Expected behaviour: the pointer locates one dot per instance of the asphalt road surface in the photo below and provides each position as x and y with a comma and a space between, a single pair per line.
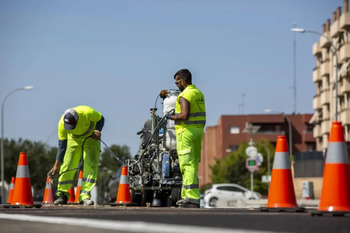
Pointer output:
81, 219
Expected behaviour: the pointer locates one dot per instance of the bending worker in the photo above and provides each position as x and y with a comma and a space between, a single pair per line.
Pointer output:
75, 126
189, 119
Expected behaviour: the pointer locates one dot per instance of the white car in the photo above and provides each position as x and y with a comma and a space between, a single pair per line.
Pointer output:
228, 195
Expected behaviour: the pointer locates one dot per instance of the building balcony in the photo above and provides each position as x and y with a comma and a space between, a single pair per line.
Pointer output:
317, 131
335, 30
316, 102
323, 41
344, 52
324, 68
344, 21
324, 97
344, 86
316, 49
325, 127
316, 76
345, 116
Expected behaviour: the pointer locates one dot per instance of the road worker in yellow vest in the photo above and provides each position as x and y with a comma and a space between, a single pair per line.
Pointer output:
77, 126
189, 119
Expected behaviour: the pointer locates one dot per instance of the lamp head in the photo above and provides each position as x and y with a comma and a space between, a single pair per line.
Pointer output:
28, 87
301, 30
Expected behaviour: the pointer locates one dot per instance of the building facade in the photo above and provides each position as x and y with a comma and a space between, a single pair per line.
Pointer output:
332, 56
230, 132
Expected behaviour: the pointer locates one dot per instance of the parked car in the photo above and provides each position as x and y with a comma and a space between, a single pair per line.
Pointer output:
225, 195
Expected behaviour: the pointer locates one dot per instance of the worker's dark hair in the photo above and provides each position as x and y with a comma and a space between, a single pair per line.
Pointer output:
184, 74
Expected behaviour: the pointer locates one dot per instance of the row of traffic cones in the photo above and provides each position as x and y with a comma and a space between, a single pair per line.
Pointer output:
335, 194
74, 198
21, 194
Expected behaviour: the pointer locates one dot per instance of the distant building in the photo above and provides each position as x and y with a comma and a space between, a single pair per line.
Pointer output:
225, 137
324, 76
229, 133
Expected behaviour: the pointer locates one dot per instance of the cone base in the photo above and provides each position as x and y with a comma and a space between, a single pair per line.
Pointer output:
35, 205
124, 204
332, 213
277, 209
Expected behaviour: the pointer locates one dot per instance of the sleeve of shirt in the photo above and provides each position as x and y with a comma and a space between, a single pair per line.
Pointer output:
100, 124
61, 151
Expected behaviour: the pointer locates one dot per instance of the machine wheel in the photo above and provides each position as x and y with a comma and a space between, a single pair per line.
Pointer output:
212, 202
175, 195
146, 197
135, 198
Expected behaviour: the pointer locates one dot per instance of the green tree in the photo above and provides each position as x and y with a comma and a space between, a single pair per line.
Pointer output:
232, 168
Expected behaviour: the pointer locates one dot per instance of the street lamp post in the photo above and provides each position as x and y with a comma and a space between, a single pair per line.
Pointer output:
2, 138
301, 30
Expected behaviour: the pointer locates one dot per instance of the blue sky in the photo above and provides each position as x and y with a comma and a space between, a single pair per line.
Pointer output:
116, 56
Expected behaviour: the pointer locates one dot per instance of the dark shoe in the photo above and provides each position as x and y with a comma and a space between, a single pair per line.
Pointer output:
189, 205
86, 202
186, 204
61, 200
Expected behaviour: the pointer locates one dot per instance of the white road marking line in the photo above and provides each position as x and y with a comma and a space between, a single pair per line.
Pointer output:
126, 226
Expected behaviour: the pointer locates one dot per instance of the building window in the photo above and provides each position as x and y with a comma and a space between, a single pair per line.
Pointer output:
234, 130
232, 148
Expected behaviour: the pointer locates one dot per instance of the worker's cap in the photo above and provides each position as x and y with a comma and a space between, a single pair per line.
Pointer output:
70, 119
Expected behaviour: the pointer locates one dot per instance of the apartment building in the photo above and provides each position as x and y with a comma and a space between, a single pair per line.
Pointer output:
230, 132
332, 56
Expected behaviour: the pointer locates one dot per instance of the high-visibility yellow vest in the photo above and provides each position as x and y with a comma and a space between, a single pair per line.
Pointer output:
197, 108
85, 126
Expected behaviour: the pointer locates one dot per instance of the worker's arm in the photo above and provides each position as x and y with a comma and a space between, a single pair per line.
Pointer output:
62, 146
185, 111
97, 132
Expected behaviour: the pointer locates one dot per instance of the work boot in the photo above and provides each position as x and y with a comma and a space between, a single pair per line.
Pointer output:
61, 200
186, 204
86, 202
189, 205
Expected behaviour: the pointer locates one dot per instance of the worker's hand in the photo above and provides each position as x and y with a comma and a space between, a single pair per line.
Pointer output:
168, 116
96, 135
54, 169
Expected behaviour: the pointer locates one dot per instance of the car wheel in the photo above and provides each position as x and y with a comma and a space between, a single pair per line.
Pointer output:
213, 201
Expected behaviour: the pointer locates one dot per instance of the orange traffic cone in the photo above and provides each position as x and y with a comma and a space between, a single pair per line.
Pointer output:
335, 194
123, 197
22, 193
72, 196
281, 194
12, 186
80, 183
48, 194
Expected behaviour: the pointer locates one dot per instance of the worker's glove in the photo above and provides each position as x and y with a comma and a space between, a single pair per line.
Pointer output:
168, 116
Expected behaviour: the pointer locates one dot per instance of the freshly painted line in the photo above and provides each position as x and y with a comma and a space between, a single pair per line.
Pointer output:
125, 226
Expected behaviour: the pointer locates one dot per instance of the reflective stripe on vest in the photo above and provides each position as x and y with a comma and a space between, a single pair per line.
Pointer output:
89, 180
191, 186
194, 201
66, 182
282, 160
337, 153
22, 171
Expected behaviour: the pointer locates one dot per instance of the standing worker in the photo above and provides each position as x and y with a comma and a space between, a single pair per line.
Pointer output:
189, 119
75, 128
